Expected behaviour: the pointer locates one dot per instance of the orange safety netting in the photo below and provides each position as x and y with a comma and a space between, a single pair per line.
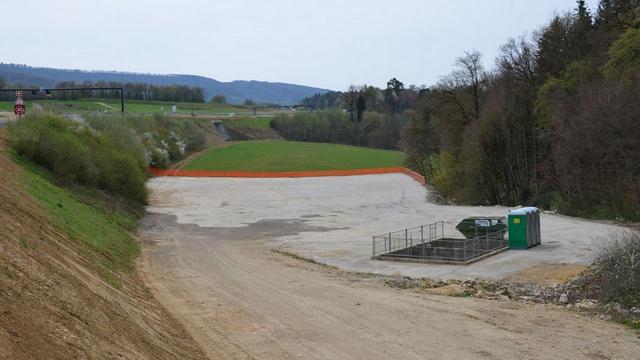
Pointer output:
287, 174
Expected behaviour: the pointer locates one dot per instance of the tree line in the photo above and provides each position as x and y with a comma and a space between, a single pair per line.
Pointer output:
554, 123
363, 116
335, 126
132, 91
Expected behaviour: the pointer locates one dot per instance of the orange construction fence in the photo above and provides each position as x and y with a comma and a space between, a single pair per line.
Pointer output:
292, 174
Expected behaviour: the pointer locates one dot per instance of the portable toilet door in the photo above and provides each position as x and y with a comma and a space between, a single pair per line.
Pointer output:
537, 237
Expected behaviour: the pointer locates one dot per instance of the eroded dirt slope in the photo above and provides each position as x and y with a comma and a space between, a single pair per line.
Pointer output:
54, 306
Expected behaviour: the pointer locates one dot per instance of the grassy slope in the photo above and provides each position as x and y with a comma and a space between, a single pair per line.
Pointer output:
293, 156
133, 106
110, 246
262, 122
55, 301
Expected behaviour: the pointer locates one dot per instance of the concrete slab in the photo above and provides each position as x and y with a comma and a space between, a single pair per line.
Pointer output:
358, 207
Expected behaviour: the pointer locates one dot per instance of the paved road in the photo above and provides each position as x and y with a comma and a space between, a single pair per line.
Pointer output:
240, 300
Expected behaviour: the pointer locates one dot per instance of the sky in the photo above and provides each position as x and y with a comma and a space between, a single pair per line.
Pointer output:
325, 43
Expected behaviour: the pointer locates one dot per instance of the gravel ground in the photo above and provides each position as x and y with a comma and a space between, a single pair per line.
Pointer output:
354, 209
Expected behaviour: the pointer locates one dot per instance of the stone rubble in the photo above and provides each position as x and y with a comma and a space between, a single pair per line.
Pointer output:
573, 294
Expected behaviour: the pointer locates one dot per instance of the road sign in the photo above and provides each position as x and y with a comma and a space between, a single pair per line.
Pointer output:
19, 108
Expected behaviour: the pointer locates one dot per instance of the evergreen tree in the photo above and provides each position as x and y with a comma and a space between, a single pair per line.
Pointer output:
581, 31
361, 106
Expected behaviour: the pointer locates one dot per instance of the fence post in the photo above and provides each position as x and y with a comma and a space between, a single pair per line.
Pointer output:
389, 242
406, 238
422, 238
373, 246
486, 242
464, 250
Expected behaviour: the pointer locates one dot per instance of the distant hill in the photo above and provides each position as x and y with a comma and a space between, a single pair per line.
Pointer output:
236, 92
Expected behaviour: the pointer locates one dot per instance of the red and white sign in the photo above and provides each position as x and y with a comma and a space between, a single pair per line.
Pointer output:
19, 108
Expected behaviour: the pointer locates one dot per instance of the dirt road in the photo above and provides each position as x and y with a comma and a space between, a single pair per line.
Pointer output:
240, 300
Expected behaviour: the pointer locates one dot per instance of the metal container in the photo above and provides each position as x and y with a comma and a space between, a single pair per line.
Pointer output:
472, 227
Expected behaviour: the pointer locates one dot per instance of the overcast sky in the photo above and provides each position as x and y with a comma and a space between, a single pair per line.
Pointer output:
324, 43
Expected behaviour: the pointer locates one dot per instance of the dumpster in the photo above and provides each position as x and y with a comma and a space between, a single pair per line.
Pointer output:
524, 228
475, 226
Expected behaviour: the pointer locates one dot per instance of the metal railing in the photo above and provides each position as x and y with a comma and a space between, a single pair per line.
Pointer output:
407, 238
429, 243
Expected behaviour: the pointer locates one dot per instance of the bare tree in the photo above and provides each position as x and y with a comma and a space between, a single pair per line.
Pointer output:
470, 73
519, 58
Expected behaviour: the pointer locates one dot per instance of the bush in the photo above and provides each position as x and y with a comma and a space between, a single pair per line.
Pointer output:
78, 154
618, 269
106, 152
161, 139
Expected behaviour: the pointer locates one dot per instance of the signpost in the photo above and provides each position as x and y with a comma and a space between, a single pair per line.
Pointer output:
19, 108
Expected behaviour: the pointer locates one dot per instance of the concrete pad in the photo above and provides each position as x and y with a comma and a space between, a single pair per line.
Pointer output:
356, 208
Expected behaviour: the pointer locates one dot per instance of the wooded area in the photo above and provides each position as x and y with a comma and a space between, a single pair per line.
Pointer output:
555, 124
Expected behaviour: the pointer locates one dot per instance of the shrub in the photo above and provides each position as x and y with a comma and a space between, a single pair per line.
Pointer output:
106, 152
122, 133
618, 269
75, 153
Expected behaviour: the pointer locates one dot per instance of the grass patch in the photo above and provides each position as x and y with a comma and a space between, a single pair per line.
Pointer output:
250, 122
107, 243
274, 155
633, 324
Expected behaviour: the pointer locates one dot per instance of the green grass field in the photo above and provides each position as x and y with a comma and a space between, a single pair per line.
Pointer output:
275, 155
262, 122
133, 106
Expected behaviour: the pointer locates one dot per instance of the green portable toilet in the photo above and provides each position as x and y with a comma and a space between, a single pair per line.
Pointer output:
524, 228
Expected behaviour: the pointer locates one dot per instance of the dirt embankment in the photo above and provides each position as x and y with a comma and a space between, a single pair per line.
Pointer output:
54, 306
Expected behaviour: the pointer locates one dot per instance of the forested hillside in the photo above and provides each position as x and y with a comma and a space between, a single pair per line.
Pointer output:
555, 123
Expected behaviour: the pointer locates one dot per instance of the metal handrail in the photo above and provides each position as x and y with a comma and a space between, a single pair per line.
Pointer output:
429, 242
